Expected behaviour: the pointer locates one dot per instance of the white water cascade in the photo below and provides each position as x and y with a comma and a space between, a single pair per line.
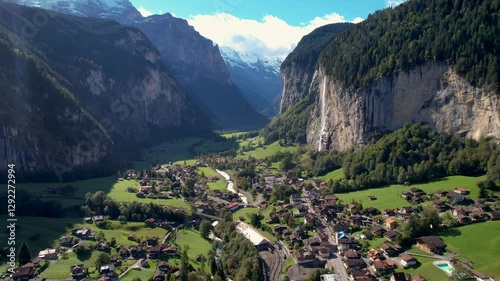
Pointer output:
323, 112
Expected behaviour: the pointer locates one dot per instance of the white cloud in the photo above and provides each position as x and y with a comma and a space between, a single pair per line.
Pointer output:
268, 37
144, 12
394, 3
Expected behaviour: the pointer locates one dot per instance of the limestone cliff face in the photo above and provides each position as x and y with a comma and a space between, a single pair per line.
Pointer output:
296, 84
431, 94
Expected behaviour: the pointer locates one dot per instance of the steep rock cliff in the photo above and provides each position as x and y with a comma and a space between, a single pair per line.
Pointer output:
111, 72
298, 69
198, 66
433, 94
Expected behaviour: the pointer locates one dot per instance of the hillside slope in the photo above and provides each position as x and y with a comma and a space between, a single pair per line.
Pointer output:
109, 71
431, 62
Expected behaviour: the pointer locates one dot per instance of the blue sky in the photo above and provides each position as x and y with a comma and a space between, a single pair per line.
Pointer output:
269, 28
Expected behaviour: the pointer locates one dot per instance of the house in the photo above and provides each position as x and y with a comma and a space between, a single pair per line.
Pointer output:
135, 250
431, 244
391, 223
460, 210
378, 230
379, 266
150, 222
301, 258
48, 254
372, 211
302, 210
233, 206
455, 198
25, 272
388, 250
461, 190
152, 241
163, 266
372, 198
367, 234
373, 254
311, 218
407, 260
391, 235
398, 276
440, 205
417, 191
406, 195
354, 264
107, 270
463, 219
98, 218
78, 271
131, 237
88, 220
155, 252
416, 277
341, 227
159, 275
66, 241
352, 254
295, 199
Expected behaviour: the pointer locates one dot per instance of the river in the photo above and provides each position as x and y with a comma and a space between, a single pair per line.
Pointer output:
230, 186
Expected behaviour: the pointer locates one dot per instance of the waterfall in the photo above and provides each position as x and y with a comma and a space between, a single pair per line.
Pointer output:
323, 112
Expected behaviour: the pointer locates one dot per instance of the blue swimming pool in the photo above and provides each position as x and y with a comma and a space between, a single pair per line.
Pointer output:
445, 266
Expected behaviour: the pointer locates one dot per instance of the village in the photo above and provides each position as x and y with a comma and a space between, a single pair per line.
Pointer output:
311, 228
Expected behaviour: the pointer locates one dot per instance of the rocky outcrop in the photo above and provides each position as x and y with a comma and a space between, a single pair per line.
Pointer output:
296, 85
431, 94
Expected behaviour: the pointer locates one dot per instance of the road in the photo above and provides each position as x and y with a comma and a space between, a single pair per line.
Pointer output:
137, 264
336, 261
230, 186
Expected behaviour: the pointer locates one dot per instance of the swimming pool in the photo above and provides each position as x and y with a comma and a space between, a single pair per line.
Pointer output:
444, 266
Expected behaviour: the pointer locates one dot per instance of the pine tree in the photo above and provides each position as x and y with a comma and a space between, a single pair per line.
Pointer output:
24, 255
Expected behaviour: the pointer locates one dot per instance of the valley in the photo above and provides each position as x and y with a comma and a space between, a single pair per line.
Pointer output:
230, 142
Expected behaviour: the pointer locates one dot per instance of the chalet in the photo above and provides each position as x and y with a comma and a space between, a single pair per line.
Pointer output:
159, 275
341, 227
460, 210
345, 243
351, 254
391, 223
379, 266
455, 198
417, 191
378, 230
372, 198
406, 195
131, 237
398, 276
440, 205
25, 272
107, 270
98, 218
233, 206
150, 222
306, 257
372, 211
302, 210
373, 254
155, 252
295, 199
367, 234
354, 264
325, 250
431, 244
388, 250
311, 218
170, 251
135, 250
102, 245
478, 216
66, 241
361, 275
48, 254
391, 235
88, 220
389, 212
331, 198
152, 241
353, 209
461, 190
84, 233
463, 219
407, 210
279, 228
77, 271
407, 260
495, 215
163, 266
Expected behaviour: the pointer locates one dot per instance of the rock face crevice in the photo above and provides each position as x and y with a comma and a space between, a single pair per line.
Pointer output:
429, 94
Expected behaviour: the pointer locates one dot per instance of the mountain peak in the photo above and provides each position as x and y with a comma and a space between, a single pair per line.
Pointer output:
120, 10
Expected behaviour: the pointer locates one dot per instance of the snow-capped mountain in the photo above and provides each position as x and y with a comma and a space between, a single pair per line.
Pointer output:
120, 10
258, 78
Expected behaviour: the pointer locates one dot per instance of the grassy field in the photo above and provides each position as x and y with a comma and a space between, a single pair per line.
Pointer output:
479, 244
209, 172
119, 193
141, 273
60, 269
197, 245
245, 213
389, 197
334, 175
426, 269
266, 150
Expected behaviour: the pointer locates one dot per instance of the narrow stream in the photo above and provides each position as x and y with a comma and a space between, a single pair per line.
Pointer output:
230, 186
